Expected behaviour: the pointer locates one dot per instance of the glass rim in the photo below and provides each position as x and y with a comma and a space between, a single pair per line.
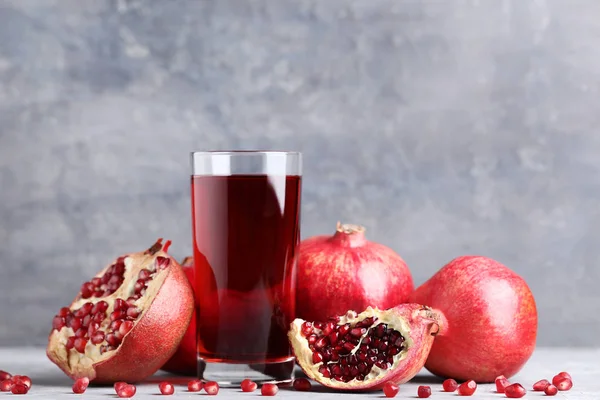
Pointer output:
244, 152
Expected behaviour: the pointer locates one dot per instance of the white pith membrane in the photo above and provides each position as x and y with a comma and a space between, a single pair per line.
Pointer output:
82, 363
394, 322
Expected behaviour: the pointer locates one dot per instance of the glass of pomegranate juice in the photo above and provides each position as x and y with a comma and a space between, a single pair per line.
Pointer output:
246, 230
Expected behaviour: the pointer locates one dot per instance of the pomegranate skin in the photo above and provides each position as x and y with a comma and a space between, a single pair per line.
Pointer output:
184, 361
418, 324
489, 304
347, 272
153, 339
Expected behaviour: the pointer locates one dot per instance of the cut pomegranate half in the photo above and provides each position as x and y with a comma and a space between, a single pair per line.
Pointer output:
125, 322
365, 351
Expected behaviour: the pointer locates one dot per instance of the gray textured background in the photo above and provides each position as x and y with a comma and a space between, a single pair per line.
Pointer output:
446, 127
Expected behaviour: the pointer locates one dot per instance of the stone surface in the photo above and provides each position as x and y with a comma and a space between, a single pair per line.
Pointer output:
50, 383
444, 127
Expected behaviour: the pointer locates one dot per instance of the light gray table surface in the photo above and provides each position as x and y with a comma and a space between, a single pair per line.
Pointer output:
50, 383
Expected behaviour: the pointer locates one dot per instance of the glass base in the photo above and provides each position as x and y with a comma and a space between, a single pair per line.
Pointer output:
232, 374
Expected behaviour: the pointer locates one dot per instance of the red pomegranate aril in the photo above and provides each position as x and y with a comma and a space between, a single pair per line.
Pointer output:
551, 390
195, 385
211, 388
322, 342
120, 304
81, 333
126, 391
24, 379
302, 385
125, 327
560, 376
133, 312
269, 389
86, 321
501, 384
162, 262
100, 307
515, 391
98, 337
6, 385
423, 392
317, 357
99, 317
87, 289
119, 385
19, 388
117, 315
467, 388
144, 274
83, 310
70, 343
139, 285
449, 385
358, 332
112, 339
307, 328
564, 384
58, 323
96, 281
4, 375
80, 344
323, 370
94, 326
63, 312
75, 323
166, 388
248, 386
115, 325
80, 385
540, 386
390, 390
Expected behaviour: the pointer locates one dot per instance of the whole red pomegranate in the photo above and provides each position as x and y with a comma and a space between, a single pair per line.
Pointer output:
184, 361
367, 350
126, 321
490, 320
347, 272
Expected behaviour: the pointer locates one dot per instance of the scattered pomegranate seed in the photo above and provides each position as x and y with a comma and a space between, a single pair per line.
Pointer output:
559, 376
467, 388
423, 392
501, 384
248, 385
166, 388
302, 385
551, 390
80, 385
6, 385
564, 384
126, 391
195, 385
4, 375
211, 388
119, 385
449, 385
19, 388
390, 390
540, 386
515, 391
24, 379
269, 389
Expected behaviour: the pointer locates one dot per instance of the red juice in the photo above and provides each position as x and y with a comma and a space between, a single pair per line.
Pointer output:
245, 233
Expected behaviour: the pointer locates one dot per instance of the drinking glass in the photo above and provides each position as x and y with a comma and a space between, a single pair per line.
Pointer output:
246, 230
